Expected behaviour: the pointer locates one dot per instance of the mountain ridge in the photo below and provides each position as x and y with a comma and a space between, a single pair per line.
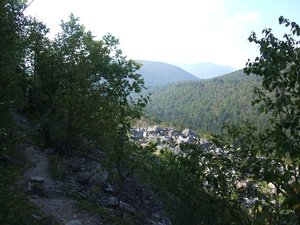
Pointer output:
205, 70
157, 73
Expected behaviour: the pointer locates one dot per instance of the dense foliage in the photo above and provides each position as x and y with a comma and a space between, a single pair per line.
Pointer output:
253, 177
205, 105
83, 85
15, 30
76, 87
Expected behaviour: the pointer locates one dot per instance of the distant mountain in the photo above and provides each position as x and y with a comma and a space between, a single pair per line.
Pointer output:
205, 105
158, 73
205, 70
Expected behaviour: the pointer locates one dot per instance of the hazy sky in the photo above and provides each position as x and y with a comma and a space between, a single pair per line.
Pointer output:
178, 31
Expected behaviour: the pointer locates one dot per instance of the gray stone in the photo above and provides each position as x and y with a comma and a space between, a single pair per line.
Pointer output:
87, 171
190, 139
74, 222
166, 221
99, 177
189, 132
127, 207
78, 164
109, 202
155, 129
49, 151
173, 132
34, 182
43, 192
107, 188
52, 220
37, 179
204, 141
82, 177
91, 177
180, 140
94, 220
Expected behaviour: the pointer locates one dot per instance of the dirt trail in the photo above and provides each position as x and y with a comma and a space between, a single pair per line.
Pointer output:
45, 192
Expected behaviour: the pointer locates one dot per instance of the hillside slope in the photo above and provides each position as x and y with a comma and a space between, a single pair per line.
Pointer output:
205, 105
158, 73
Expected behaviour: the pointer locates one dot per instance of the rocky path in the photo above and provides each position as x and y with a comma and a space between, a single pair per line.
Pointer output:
86, 178
44, 191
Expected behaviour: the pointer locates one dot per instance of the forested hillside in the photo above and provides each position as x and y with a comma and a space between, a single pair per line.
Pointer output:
205, 105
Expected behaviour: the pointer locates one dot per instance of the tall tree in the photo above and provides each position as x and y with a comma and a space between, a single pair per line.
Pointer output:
12, 28
15, 30
89, 82
270, 159
279, 67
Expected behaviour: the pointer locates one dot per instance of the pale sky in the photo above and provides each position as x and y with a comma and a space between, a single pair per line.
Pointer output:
175, 31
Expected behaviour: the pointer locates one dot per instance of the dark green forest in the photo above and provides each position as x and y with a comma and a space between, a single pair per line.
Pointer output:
75, 87
207, 104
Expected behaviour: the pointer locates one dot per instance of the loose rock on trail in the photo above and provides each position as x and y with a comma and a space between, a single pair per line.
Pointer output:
44, 191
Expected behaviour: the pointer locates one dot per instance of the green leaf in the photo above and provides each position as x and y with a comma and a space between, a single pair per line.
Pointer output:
281, 19
289, 203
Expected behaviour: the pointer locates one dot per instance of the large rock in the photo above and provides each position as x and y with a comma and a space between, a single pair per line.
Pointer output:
74, 222
155, 129
174, 132
127, 207
136, 134
46, 193
87, 171
52, 220
183, 140
94, 220
189, 132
